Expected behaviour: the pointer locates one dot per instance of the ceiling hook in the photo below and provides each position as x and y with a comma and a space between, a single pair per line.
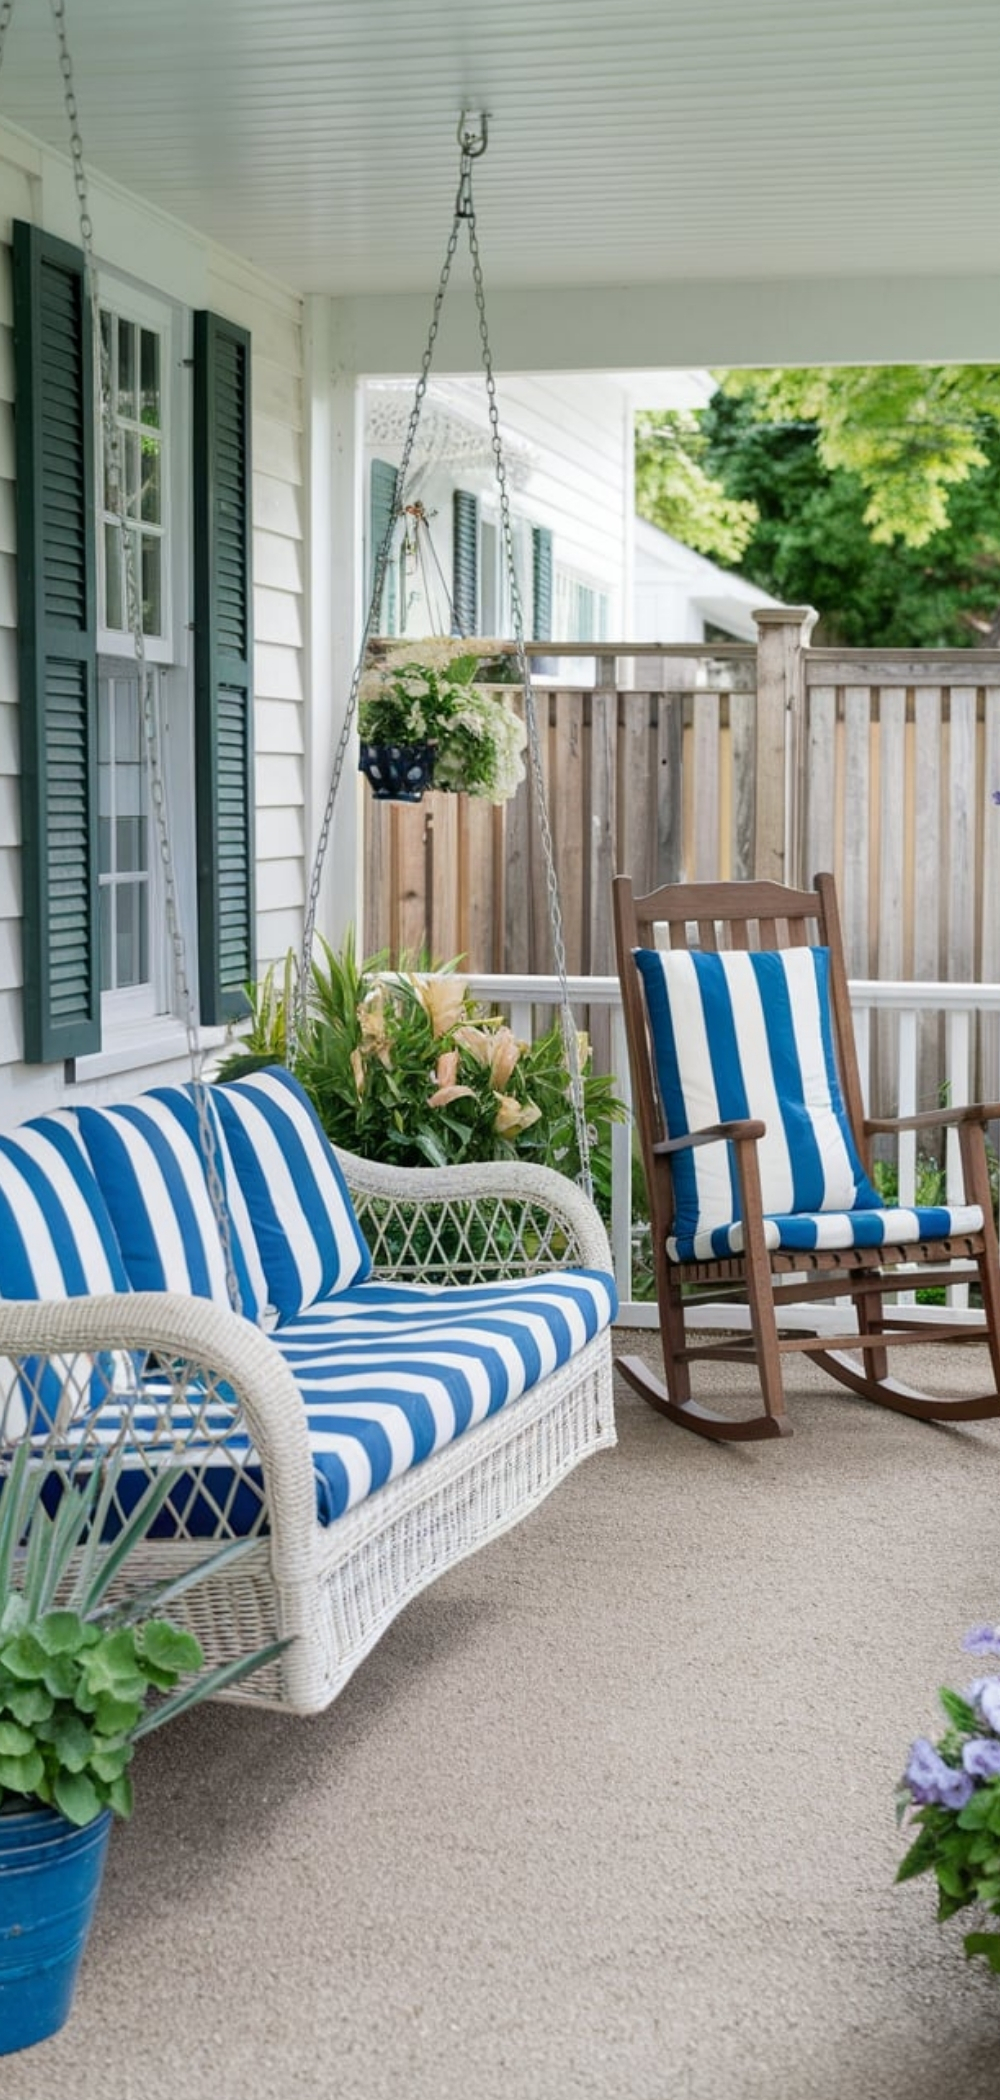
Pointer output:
473, 132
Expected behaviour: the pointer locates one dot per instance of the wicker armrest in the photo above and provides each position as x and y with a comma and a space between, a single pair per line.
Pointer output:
240, 1372
470, 1222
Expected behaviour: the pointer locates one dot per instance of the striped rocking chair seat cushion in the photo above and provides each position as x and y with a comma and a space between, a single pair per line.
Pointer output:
748, 1035
390, 1373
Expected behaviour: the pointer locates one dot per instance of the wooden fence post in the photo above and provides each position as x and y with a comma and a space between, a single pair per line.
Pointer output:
783, 633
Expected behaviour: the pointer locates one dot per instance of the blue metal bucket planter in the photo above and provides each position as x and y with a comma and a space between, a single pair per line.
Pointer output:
50, 1875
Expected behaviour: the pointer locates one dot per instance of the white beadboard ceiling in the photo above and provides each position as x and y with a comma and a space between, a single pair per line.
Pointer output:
631, 141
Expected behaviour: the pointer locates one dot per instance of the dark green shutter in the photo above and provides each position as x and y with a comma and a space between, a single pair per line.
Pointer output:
382, 510
465, 560
56, 646
541, 582
223, 600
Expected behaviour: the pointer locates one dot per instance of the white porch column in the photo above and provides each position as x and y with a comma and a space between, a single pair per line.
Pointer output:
336, 584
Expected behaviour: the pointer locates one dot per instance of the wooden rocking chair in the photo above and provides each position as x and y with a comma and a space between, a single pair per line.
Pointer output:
757, 1155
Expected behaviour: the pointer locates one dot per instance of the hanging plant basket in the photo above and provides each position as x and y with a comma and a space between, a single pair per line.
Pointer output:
398, 772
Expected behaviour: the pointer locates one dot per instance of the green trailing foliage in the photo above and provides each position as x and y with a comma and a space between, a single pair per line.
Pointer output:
82, 1678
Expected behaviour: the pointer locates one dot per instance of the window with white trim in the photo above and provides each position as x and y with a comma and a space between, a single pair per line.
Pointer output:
146, 399
581, 609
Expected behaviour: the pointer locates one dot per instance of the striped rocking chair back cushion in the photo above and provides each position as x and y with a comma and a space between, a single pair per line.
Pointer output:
748, 1034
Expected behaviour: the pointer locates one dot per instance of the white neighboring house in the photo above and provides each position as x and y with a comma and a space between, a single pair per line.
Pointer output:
681, 596
587, 568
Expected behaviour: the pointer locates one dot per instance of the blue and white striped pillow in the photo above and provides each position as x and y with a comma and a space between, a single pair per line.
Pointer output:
310, 1241
748, 1035
149, 1160
56, 1241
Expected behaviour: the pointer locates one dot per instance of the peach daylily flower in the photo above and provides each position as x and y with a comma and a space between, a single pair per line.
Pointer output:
371, 1020
358, 1069
478, 1042
443, 1000
506, 1051
446, 1074
512, 1115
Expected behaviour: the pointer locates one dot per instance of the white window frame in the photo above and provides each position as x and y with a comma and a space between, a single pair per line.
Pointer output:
126, 302
490, 521
128, 1015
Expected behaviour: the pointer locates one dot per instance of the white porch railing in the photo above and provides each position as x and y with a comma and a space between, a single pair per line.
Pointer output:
958, 1003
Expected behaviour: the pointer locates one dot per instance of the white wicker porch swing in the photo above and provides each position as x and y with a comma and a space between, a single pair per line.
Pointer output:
168, 1374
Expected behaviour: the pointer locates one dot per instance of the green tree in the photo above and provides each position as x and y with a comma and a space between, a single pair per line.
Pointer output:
674, 491
874, 495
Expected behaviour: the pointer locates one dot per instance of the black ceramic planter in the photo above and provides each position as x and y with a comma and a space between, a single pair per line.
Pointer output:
398, 772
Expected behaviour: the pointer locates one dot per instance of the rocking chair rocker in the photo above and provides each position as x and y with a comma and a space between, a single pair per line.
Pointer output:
756, 1152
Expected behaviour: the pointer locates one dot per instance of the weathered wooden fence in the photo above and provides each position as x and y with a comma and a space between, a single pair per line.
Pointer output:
729, 760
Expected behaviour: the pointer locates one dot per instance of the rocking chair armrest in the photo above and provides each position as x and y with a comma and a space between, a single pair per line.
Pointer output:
713, 1134
934, 1118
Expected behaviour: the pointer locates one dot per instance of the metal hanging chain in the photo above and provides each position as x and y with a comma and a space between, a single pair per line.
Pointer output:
117, 502
473, 145
571, 1045
297, 1016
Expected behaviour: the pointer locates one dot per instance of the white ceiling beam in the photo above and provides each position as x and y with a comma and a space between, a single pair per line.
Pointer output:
698, 322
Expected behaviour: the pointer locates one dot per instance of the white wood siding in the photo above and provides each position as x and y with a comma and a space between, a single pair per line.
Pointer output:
34, 186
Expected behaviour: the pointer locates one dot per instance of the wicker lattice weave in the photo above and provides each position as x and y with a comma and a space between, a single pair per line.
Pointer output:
184, 1376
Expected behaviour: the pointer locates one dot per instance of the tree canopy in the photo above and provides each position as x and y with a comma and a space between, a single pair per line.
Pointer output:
870, 493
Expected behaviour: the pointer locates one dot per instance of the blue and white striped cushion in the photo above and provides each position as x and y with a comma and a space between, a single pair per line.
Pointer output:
310, 1241
56, 1241
391, 1372
148, 1158
748, 1035
839, 1228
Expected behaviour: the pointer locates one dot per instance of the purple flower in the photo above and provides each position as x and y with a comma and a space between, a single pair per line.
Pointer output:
984, 1694
981, 1757
982, 1640
931, 1781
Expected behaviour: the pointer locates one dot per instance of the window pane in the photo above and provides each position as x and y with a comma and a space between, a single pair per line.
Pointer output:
130, 836
152, 601
149, 378
126, 369
107, 940
130, 447
150, 492
114, 603
131, 934
127, 736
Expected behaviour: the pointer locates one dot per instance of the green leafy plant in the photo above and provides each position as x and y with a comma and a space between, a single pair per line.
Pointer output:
425, 693
408, 1066
951, 1790
83, 1678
